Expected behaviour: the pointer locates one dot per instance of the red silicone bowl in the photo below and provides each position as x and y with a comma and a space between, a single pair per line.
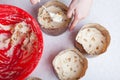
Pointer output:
20, 65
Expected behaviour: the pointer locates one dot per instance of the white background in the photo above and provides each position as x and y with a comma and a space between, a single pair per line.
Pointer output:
103, 67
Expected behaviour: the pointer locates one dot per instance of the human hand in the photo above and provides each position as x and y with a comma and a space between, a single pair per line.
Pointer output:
79, 9
34, 1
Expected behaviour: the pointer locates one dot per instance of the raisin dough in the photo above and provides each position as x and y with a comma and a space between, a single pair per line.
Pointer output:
70, 64
57, 25
92, 39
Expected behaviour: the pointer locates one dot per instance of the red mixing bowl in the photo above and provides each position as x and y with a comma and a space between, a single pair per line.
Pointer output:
20, 65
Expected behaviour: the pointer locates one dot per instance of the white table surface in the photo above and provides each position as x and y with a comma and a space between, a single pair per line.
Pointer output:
103, 67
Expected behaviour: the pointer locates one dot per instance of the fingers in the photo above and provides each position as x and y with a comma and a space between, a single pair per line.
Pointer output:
34, 1
71, 9
70, 12
76, 19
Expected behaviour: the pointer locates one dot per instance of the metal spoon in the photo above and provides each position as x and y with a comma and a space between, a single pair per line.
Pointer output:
55, 17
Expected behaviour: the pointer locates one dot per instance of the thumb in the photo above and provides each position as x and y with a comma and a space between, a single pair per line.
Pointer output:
71, 9
70, 13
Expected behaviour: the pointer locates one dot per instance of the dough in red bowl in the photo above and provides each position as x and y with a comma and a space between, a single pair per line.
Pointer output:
21, 43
